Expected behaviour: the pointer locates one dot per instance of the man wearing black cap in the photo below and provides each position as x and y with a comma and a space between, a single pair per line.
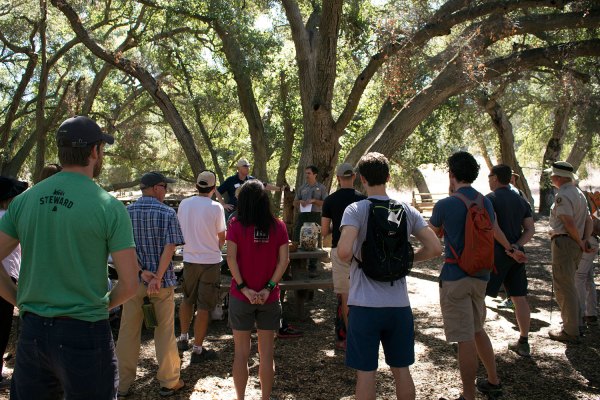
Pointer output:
67, 226
157, 234
570, 229
333, 210
203, 223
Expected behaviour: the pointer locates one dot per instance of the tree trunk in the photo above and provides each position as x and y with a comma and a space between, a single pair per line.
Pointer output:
288, 135
504, 128
552, 154
40, 116
588, 128
160, 97
421, 184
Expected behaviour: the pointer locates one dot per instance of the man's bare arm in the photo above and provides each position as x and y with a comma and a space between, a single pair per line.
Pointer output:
346, 242
431, 245
127, 267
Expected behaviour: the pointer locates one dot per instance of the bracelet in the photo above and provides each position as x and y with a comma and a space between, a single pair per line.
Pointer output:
270, 286
240, 286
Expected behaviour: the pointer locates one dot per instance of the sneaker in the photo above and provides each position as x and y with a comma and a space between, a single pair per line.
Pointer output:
182, 344
520, 348
562, 336
166, 392
591, 320
487, 388
288, 332
206, 355
507, 303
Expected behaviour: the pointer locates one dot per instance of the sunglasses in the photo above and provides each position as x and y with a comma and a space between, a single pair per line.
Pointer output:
163, 185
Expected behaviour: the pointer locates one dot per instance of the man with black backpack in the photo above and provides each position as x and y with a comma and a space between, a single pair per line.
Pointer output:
374, 236
466, 220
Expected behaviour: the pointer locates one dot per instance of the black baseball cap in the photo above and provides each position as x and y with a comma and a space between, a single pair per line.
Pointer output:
152, 178
10, 187
80, 131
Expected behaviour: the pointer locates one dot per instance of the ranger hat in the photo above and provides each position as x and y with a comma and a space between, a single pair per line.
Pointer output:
152, 178
206, 179
10, 188
81, 131
344, 169
562, 168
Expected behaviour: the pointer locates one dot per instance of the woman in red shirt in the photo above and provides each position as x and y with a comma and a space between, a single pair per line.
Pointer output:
257, 255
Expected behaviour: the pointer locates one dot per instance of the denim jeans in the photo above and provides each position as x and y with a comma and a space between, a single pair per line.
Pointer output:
64, 358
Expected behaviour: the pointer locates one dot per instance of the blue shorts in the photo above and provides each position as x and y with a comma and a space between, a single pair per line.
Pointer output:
392, 326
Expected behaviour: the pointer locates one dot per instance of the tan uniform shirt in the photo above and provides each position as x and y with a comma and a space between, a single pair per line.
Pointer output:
568, 201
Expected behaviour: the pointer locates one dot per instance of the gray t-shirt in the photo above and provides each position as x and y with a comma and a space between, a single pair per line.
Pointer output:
364, 291
318, 191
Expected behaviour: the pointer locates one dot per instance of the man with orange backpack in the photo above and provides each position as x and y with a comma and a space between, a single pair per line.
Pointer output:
466, 220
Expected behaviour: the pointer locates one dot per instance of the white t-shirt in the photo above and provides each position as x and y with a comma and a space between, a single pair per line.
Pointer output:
201, 220
12, 262
366, 292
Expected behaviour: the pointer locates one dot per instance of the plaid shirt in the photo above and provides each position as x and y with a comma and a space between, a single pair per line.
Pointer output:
154, 226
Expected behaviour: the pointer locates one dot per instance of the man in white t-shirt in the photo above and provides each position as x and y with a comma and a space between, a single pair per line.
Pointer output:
379, 311
202, 221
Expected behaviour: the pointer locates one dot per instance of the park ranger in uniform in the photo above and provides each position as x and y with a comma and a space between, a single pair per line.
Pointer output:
570, 229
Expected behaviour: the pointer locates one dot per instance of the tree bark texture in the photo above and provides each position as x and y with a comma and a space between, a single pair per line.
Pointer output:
552, 154
288, 135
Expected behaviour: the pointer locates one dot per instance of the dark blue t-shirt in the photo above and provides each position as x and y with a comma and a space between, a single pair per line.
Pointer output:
511, 209
334, 206
230, 185
451, 213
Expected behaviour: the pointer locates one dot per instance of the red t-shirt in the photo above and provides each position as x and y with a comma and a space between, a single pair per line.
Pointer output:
257, 254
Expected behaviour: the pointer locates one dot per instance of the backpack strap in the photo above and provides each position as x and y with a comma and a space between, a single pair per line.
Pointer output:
468, 203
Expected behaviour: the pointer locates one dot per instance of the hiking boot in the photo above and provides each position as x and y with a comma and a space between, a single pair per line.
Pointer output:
206, 355
507, 304
166, 392
562, 336
487, 388
289, 332
591, 320
520, 348
182, 344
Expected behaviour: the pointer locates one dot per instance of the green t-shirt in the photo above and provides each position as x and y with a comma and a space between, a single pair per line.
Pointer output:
67, 226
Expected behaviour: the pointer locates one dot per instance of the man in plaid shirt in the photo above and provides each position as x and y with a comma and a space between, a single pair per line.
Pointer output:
157, 233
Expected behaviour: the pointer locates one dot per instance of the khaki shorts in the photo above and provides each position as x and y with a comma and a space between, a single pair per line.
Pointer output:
340, 272
201, 284
463, 308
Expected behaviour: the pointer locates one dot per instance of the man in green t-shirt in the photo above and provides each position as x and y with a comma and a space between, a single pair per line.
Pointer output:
67, 226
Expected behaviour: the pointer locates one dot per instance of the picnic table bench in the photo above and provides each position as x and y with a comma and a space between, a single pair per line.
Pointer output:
424, 202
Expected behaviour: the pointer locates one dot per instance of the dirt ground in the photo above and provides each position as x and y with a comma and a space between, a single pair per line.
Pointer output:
308, 368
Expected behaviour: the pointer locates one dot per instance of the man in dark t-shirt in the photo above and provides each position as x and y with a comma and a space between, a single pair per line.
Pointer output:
231, 184
331, 217
514, 217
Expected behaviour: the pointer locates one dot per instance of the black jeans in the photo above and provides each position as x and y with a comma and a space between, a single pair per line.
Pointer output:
64, 357
6, 319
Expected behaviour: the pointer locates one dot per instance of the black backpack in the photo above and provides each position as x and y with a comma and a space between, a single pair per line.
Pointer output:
386, 253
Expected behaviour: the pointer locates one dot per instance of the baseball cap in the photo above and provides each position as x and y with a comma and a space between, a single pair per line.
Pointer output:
206, 179
80, 131
242, 162
344, 169
10, 188
562, 168
152, 178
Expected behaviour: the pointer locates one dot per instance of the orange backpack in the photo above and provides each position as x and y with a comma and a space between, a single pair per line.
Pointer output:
478, 253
